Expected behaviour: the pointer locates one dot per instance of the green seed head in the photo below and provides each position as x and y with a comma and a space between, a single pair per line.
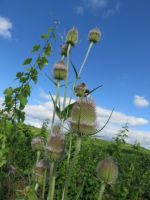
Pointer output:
107, 171
81, 90
56, 146
40, 167
72, 36
83, 117
94, 35
60, 70
37, 143
64, 50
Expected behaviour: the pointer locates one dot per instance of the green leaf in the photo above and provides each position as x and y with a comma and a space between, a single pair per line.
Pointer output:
66, 112
75, 70
41, 61
27, 61
23, 100
35, 48
47, 50
45, 36
94, 89
19, 74
8, 91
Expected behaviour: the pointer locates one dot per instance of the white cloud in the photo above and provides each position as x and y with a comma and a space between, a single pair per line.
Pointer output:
5, 26
111, 11
140, 101
37, 113
97, 3
79, 10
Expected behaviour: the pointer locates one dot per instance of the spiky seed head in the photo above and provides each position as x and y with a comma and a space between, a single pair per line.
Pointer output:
72, 36
83, 117
40, 167
60, 70
95, 35
107, 171
37, 143
56, 146
64, 50
81, 90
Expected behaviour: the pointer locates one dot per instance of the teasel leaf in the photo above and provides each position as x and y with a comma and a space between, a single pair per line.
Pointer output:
75, 70
49, 78
91, 91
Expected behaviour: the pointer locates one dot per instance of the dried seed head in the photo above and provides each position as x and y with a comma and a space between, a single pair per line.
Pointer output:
60, 70
40, 167
56, 146
107, 171
81, 90
94, 35
64, 50
83, 117
72, 36
37, 143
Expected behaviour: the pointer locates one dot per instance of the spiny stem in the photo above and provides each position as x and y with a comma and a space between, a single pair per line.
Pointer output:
101, 191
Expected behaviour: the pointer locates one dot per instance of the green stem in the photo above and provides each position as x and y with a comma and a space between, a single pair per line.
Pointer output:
44, 184
56, 100
101, 191
66, 81
81, 68
50, 180
38, 157
69, 170
86, 56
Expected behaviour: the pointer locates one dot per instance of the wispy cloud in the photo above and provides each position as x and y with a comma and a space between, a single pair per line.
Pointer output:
79, 10
5, 27
140, 101
112, 10
97, 3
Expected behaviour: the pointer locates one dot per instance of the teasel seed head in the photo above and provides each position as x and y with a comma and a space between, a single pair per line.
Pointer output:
94, 35
72, 36
83, 117
107, 171
37, 143
60, 70
56, 146
40, 167
64, 50
81, 90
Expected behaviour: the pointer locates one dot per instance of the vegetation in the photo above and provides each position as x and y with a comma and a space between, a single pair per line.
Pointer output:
50, 163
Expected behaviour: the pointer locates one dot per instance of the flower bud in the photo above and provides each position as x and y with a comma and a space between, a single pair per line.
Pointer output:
37, 143
72, 36
94, 35
56, 146
81, 90
107, 171
83, 117
64, 50
40, 167
60, 71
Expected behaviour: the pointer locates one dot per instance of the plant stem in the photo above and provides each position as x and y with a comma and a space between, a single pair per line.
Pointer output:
50, 180
69, 170
81, 68
44, 184
38, 157
101, 191
86, 56
56, 100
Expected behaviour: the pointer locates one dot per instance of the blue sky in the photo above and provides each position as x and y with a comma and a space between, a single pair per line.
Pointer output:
120, 61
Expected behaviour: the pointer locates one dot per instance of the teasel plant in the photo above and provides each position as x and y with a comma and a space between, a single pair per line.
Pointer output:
107, 173
80, 117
